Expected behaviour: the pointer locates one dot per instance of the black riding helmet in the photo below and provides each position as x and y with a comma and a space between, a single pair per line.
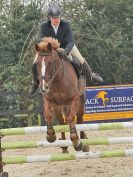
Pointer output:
53, 11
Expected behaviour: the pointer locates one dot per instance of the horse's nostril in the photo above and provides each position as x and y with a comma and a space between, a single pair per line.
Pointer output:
42, 90
45, 90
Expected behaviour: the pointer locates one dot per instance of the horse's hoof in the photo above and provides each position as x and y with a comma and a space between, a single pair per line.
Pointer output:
65, 151
3, 174
51, 139
86, 148
79, 147
73, 137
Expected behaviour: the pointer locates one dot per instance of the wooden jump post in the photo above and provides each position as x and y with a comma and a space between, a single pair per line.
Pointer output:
2, 173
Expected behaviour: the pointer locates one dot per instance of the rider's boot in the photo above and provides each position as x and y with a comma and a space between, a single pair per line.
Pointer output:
35, 83
89, 74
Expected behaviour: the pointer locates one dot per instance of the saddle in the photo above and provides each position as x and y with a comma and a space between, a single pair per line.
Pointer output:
77, 66
75, 62
79, 71
80, 74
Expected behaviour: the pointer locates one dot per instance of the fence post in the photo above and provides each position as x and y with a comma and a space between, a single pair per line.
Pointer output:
2, 174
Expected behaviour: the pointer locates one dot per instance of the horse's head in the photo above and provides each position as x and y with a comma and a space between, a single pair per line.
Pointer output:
47, 56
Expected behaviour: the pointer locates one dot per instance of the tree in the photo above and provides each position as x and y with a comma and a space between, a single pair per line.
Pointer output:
103, 33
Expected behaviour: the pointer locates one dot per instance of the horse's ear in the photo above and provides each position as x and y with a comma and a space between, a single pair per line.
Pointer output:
37, 48
49, 47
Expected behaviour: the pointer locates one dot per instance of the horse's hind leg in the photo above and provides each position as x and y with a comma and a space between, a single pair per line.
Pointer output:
80, 121
64, 149
59, 116
51, 137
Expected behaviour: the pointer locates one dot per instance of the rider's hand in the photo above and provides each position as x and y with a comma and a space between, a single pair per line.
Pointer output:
62, 52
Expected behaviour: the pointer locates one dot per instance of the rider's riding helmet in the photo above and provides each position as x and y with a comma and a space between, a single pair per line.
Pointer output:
54, 11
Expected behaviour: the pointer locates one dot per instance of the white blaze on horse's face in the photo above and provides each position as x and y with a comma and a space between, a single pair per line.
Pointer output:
43, 73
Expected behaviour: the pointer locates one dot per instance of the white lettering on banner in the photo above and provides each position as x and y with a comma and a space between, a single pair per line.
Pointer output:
92, 101
121, 99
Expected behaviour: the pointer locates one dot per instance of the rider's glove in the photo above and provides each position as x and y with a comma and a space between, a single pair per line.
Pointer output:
62, 52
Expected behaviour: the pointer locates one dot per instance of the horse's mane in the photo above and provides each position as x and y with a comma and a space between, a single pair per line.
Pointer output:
44, 43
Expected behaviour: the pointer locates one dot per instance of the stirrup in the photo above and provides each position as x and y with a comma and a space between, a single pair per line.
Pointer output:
96, 77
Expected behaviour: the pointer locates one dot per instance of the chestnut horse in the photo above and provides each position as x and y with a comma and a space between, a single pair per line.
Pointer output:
62, 91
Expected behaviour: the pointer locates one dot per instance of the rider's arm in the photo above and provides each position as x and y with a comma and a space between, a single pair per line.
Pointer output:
68, 38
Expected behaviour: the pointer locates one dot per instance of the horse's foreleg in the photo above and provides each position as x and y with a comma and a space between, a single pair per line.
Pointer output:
51, 137
71, 121
82, 133
80, 121
80, 115
60, 115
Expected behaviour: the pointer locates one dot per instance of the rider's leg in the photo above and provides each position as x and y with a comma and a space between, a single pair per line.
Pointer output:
35, 82
88, 72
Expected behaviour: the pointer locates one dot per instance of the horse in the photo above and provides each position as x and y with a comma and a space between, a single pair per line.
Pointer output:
62, 91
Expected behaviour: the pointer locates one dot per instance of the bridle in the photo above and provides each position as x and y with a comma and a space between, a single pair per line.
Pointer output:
54, 71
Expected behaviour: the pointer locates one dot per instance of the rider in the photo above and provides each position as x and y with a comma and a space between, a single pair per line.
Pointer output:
60, 29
